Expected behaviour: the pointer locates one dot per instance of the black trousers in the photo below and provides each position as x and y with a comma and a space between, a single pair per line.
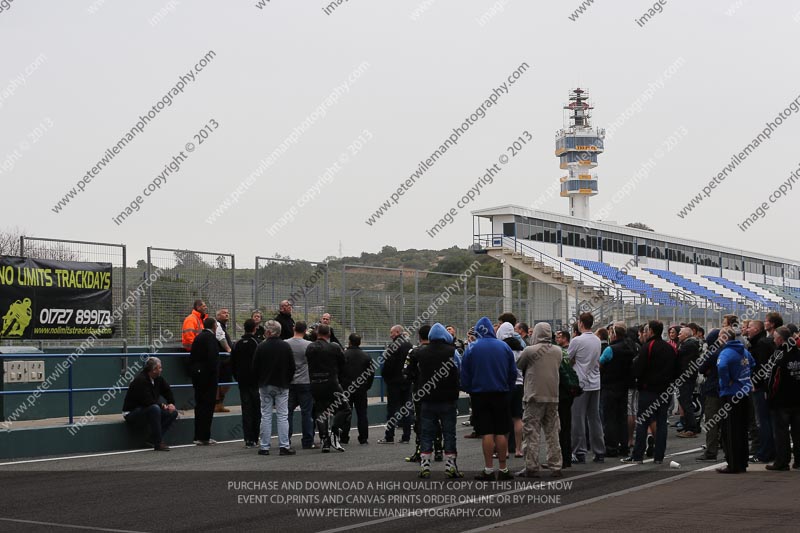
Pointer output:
685, 396
565, 434
251, 412
358, 403
781, 420
615, 419
734, 431
205, 397
398, 396
330, 410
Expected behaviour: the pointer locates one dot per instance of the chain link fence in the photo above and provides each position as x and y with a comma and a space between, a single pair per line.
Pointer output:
364, 299
183, 276
67, 250
304, 283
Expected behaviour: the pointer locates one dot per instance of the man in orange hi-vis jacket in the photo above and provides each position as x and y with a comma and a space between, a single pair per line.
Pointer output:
193, 324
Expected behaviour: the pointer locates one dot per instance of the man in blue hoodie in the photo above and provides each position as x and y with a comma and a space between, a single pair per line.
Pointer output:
488, 373
734, 366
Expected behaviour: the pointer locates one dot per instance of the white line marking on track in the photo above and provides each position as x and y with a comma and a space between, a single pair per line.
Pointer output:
593, 500
71, 526
140, 450
567, 478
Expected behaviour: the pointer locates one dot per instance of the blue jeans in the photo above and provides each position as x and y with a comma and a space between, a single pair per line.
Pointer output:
766, 450
277, 397
433, 414
300, 394
651, 407
157, 418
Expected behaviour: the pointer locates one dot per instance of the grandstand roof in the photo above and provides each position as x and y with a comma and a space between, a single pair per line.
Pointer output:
511, 209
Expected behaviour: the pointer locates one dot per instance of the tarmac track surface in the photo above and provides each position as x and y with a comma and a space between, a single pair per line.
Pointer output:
229, 488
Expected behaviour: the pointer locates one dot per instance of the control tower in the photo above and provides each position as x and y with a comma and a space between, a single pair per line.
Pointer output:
577, 147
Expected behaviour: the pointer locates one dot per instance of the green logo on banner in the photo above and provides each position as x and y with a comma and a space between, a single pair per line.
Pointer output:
17, 318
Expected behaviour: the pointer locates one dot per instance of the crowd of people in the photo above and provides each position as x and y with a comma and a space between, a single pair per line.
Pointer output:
608, 390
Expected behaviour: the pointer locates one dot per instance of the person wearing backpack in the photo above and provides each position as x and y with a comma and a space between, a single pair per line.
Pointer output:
568, 389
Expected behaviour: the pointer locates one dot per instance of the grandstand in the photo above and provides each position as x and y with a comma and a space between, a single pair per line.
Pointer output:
633, 274
623, 272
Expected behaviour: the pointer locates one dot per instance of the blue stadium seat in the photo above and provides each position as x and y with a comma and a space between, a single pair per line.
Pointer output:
746, 293
692, 287
627, 281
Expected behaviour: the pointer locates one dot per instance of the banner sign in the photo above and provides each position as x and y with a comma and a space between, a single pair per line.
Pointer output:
48, 299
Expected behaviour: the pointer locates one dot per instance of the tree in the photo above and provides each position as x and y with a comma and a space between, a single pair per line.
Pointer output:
222, 261
639, 225
9, 245
187, 259
9, 241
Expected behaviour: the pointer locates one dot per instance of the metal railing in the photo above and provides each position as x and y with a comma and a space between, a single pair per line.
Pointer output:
494, 240
71, 390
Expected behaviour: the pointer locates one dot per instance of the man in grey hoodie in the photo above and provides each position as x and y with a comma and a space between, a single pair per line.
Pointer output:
539, 365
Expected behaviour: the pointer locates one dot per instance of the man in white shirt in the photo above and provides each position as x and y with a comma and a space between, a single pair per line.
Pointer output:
584, 352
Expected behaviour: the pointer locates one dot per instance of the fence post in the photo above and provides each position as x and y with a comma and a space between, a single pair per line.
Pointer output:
150, 300
416, 294
325, 286
233, 295
344, 294
466, 309
124, 292
71, 400
255, 288
477, 297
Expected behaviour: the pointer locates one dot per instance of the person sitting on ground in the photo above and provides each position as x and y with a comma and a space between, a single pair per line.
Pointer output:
150, 398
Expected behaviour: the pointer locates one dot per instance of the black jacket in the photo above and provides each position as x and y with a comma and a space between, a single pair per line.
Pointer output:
411, 367
242, 360
761, 348
784, 381
273, 363
688, 353
358, 366
656, 366
287, 325
437, 358
325, 362
227, 337
204, 357
709, 365
616, 374
142, 393
394, 359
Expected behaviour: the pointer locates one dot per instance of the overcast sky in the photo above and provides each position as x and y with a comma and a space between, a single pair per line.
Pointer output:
86, 70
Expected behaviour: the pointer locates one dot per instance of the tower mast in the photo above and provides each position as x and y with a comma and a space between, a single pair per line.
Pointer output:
577, 147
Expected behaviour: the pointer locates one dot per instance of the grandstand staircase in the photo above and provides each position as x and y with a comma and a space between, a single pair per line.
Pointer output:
549, 270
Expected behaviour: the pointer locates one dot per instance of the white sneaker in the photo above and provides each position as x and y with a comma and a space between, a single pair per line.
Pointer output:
335, 444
